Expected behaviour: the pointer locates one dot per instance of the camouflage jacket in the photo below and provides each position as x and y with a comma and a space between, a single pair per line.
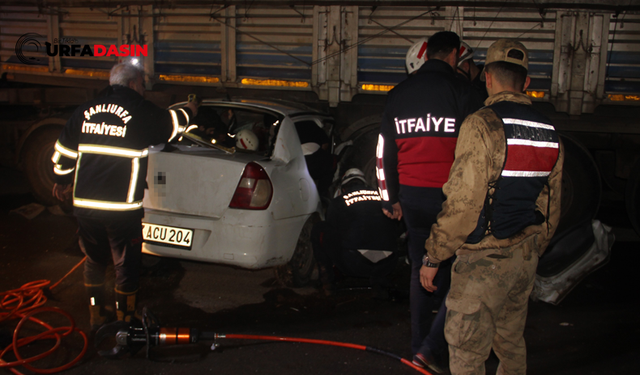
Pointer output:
479, 158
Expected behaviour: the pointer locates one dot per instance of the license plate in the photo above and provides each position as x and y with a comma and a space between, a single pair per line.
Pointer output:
173, 236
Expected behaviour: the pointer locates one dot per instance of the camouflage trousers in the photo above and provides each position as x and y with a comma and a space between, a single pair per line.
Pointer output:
487, 308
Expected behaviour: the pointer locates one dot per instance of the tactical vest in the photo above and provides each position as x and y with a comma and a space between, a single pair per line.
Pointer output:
531, 153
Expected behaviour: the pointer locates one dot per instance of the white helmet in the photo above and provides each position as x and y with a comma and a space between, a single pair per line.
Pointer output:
247, 140
465, 52
416, 56
352, 174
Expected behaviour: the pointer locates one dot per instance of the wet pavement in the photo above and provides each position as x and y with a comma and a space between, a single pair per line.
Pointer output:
594, 330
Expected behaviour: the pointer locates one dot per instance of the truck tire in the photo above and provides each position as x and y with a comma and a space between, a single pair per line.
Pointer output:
581, 185
362, 155
299, 271
37, 164
632, 197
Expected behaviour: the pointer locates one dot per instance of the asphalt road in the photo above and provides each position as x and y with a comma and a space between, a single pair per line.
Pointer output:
593, 331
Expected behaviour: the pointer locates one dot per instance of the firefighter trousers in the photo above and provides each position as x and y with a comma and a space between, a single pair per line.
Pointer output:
110, 240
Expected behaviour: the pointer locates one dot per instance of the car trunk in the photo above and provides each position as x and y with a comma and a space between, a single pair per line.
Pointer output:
193, 180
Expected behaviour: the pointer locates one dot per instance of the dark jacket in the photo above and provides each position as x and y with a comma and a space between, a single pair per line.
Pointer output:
356, 221
103, 148
420, 127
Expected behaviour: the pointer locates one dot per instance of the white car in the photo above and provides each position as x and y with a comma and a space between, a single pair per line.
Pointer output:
208, 201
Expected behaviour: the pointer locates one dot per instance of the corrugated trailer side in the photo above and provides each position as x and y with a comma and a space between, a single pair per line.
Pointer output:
584, 66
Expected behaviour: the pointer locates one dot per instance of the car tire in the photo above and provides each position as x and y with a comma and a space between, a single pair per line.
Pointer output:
299, 270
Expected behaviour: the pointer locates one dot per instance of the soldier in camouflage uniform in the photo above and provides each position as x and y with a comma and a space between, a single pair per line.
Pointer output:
502, 208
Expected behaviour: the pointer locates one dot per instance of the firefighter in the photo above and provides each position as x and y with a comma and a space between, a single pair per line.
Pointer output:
502, 208
415, 151
468, 71
466, 68
433, 350
101, 160
356, 237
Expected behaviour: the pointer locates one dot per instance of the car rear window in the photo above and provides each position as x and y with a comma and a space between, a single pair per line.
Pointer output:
219, 125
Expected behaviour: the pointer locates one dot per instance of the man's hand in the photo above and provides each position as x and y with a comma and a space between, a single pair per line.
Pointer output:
397, 212
426, 278
62, 192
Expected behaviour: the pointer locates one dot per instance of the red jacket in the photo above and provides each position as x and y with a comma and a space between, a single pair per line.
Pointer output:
420, 128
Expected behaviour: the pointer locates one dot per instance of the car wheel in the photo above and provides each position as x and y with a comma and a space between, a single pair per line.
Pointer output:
298, 272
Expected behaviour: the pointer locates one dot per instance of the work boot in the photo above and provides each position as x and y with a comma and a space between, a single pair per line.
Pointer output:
126, 305
424, 359
97, 311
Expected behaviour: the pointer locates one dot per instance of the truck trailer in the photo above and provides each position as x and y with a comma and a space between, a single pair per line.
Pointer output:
340, 57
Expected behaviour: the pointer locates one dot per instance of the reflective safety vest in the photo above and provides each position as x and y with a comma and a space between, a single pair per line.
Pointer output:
531, 153
104, 146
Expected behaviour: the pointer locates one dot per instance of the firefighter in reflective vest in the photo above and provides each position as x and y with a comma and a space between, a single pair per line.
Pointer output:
356, 237
502, 208
101, 159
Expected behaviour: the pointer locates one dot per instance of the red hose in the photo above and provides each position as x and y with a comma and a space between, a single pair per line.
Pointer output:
325, 342
25, 302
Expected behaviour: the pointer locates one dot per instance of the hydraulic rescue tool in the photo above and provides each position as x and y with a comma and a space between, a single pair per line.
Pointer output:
133, 336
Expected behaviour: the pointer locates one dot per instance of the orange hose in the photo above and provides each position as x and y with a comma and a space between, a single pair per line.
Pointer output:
325, 342
25, 302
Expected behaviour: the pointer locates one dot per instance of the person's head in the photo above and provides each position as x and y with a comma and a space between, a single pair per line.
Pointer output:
465, 59
127, 75
506, 67
352, 176
416, 56
444, 45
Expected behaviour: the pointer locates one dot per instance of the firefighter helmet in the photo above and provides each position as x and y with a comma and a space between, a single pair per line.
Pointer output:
247, 140
416, 56
352, 174
465, 52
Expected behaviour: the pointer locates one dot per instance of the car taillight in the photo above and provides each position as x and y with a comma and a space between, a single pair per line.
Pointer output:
254, 191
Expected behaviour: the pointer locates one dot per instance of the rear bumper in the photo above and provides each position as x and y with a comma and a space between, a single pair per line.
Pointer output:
259, 242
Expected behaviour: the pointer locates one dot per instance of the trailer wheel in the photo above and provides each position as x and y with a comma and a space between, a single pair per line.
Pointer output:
581, 185
362, 155
632, 197
38, 166
298, 272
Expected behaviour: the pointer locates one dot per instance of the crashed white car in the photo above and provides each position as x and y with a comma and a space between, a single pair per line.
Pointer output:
209, 201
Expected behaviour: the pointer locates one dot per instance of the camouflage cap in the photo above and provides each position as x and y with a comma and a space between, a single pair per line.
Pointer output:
507, 50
